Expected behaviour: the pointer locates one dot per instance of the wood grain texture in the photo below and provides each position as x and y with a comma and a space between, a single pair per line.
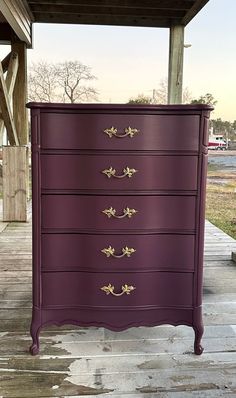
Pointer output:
160, 4
20, 94
12, 69
6, 112
161, 13
15, 174
176, 57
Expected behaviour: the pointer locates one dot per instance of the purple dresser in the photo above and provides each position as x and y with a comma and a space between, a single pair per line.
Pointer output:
118, 215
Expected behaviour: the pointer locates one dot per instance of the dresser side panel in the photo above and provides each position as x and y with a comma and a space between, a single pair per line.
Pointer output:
200, 210
36, 206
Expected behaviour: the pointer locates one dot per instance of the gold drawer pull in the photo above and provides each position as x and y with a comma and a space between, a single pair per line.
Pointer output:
127, 172
110, 289
127, 212
129, 131
126, 251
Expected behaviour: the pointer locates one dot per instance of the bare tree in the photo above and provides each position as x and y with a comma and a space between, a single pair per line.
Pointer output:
62, 82
72, 78
42, 82
160, 95
187, 96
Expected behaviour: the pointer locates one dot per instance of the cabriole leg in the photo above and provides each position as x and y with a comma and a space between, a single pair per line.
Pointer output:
34, 348
198, 349
34, 331
198, 329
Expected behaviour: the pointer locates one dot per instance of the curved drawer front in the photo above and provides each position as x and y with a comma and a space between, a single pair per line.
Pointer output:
95, 172
117, 290
86, 131
95, 212
109, 252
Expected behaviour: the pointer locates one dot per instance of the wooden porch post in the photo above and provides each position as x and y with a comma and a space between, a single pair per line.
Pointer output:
15, 173
15, 159
176, 55
20, 94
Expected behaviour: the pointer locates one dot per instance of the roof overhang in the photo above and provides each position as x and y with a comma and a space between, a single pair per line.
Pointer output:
149, 13
17, 15
20, 14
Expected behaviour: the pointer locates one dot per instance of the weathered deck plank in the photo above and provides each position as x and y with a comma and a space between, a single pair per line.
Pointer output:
139, 362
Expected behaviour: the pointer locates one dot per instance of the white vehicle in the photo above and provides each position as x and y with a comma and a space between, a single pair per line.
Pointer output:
217, 142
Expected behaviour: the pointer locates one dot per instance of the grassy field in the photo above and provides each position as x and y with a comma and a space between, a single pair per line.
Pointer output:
221, 199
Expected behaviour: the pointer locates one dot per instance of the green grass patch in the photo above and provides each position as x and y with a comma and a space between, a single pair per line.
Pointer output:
221, 207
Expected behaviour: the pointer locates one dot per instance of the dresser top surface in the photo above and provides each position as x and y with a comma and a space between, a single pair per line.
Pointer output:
120, 107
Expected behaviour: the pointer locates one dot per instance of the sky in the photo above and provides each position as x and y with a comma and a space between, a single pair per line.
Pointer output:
128, 61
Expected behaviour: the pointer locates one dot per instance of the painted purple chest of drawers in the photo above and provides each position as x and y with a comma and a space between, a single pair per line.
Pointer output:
118, 215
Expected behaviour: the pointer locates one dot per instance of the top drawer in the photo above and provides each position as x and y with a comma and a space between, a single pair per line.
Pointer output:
87, 131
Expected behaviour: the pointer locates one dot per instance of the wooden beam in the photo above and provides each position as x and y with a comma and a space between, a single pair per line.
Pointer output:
6, 111
176, 54
196, 7
20, 94
10, 82
109, 11
18, 18
105, 20
158, 4
15, 172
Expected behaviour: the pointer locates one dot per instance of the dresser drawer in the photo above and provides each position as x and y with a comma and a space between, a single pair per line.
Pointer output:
114, 252
83, 212
95, 172
85, 289
86, 131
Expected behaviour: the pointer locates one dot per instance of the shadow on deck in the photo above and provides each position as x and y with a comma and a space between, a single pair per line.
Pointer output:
139, 362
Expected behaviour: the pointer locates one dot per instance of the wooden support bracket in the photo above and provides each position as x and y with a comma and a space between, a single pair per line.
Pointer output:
5, 62
6, 90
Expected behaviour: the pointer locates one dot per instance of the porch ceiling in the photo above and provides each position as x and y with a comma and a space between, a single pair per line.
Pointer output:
149, 13
19, 15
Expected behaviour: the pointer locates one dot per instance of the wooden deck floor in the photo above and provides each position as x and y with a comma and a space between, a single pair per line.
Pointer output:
141, 362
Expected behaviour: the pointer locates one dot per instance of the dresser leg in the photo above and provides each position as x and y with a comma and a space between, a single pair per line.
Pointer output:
34, 348
198, 349
34, 331
198, 329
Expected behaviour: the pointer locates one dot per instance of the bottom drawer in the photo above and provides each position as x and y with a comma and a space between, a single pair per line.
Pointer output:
69, 289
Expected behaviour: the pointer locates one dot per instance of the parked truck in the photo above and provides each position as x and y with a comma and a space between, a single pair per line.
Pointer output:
217, 142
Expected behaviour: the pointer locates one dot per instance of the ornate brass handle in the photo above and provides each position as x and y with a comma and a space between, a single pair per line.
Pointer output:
110, 251
127, 172
129, 131
110, 289
127, 212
